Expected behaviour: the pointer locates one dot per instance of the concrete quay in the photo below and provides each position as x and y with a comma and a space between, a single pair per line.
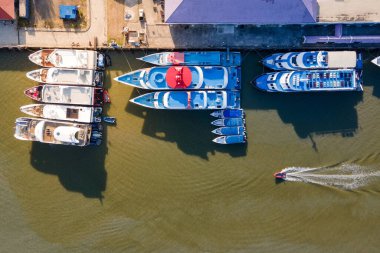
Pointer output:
112, 24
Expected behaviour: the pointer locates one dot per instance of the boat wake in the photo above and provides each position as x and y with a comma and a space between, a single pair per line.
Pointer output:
345, 176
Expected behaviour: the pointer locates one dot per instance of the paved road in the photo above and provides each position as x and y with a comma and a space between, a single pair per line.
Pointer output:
98, 28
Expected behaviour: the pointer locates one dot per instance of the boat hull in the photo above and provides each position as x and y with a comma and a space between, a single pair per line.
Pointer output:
229, 113
230, 139
202, 78
189, 100
310, 81
235, 130
229, 122
204, 58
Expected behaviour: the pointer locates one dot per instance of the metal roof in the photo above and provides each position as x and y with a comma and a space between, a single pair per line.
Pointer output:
240, 11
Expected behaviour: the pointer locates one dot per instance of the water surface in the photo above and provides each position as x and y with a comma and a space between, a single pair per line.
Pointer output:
158, 184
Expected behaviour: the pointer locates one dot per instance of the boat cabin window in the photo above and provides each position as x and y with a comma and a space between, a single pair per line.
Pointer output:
72, 113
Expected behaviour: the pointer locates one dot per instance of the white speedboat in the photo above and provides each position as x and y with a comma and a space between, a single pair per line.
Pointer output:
64, 112
88, 77
58, 132
68, 58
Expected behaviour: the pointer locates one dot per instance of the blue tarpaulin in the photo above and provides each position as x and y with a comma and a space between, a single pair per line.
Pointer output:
68, 11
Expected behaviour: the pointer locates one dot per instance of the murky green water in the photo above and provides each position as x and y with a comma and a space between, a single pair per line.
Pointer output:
158, 184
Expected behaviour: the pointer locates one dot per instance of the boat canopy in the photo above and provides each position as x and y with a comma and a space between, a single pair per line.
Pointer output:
39, 131
342, 59
178, 77
176, 58
66, 134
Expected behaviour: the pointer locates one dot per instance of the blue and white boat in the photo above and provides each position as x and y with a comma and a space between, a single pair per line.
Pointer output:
228, 113
310, 81
313, 60
229, 122
205, 58
235, 130
189, 100
231, 139
183, 78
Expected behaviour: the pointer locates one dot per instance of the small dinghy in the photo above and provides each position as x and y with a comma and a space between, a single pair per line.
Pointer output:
236, 130
229, 113
231, 139
229, 122
110, 120
280, 175
376, 61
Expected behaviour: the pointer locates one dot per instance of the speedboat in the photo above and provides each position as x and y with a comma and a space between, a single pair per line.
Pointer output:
87, 77
68, 58
189, 100
72, 95
64, 112
228, 113
376, 61
58, 132
233, 130
183, 78
229, 122
313, 60
231, 139
109, 120
280, 175
310, 81
204, 58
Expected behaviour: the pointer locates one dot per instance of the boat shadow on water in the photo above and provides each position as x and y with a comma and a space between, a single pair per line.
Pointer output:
79, 169
191, 130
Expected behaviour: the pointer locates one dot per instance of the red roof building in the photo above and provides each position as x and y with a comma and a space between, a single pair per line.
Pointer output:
7, 10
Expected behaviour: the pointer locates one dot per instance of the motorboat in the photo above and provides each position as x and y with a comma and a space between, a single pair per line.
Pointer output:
233, 130
58, 132
310, 81
313, 60
64, 112
189, 100
61, 94
109, 120
228, 113
376, 61
88, 77
280, 175
229, 122
68, 58
231, 139
199, 58
183, 78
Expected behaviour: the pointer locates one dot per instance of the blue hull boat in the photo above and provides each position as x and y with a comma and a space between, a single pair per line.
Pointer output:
229, 113
313, 60
184, 78
206, 58
236, 130
189, 100
310, 81
229, 122
231, 139
109, 120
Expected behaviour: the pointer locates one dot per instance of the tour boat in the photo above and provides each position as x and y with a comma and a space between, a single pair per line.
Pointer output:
58, 132
233, 130
313, 60
72, 95
68, 58
86, 77
310, 81
204, 58
228, 113
231, 139
376, 61
229, 122
280, 175
189, 100
183, 78
64, 112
